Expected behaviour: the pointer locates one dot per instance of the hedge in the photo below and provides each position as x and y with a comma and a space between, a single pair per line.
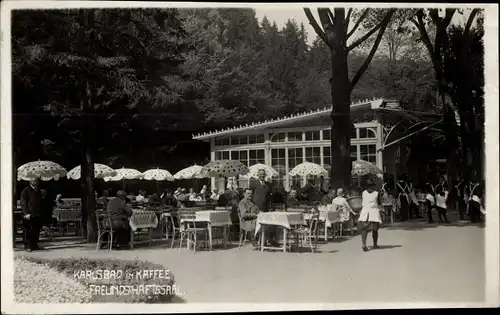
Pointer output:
163, 291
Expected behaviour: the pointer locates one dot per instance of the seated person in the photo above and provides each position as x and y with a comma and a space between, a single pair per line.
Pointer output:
215, 195
154, 199
130, 197
177, 192
141, 197
168, 199
183, 198
120, 214
328, 198
248, 211
291, 200
194, 196
225, 199
59, 201
341, 202
205, 193
103, 200
307, 191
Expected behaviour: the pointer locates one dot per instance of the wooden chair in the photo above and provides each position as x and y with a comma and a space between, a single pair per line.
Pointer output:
104, 227
308, 233
173, 226
191, 230
244, 230
345, 224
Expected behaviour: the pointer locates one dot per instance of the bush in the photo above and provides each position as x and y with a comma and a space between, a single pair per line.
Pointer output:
164, 291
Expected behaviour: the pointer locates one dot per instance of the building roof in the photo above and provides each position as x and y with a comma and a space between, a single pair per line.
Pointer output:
364, 104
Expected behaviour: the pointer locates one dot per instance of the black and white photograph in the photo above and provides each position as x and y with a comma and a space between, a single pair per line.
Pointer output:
218, 156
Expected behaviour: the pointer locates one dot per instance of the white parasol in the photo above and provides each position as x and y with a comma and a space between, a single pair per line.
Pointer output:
44, 170
158, 175
124, 173
308, 169
189, 172
100, 171
254, 171
363, 168
224, 168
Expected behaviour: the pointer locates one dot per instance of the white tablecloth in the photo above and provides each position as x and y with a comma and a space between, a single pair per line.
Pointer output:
282, 219
67, 214
215, 218
329, 217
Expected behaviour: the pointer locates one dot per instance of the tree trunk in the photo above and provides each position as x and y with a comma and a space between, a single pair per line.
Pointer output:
451, 137
89, 223
340, 87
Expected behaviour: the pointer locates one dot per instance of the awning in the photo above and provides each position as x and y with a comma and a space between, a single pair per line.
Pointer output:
410, 135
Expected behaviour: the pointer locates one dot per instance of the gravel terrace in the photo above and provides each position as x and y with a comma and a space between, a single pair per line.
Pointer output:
417, 262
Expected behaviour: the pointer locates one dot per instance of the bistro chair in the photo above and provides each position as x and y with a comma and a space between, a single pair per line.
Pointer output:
104, 227
173, 226
245, 228
191, 229
308, 234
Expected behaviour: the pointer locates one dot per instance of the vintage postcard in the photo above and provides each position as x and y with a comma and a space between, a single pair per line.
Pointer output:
248, 157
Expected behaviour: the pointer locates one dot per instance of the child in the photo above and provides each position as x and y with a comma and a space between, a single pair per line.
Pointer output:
475, 206
430, 202
441, 197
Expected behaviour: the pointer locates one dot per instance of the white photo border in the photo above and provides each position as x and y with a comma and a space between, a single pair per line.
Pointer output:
492, 199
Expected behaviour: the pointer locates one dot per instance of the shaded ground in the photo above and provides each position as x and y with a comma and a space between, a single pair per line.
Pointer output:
416, 263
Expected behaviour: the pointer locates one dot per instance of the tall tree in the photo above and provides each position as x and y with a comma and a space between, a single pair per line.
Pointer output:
91, 61
439, 51
464, 68
335, 32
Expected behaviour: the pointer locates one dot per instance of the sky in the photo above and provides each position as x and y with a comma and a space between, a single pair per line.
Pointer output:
281, 15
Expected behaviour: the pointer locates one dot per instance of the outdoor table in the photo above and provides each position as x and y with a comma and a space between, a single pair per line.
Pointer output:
328, 217
213, 219
67, 214
142, 219
283, 220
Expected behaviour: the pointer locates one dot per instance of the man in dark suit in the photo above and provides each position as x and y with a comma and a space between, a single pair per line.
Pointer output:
120, 213
261, 191
31, 205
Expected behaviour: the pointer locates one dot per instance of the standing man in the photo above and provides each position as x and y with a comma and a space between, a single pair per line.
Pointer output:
31, 205
261, 191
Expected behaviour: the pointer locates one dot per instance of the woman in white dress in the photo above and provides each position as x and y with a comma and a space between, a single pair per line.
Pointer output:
369, 217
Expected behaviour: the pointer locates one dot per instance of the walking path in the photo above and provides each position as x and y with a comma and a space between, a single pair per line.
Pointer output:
417, 262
